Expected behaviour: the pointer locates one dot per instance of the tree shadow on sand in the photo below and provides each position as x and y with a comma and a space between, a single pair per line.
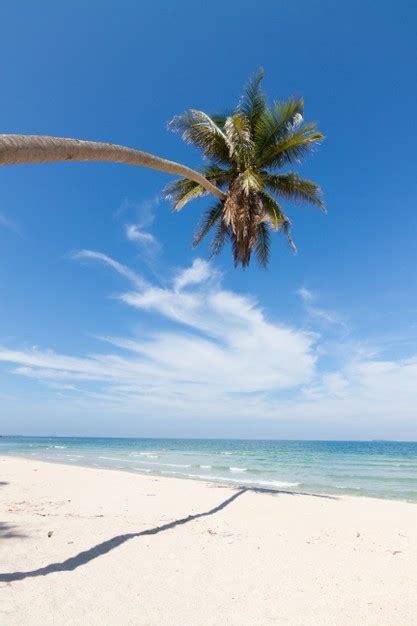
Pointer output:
106, 546
8, 531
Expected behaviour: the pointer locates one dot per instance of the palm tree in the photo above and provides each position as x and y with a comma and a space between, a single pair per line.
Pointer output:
244, 150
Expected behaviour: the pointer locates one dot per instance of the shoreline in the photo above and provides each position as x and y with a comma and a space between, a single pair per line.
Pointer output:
111, 547
209, 482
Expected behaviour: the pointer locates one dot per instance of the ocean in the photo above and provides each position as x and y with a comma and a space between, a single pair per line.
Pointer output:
383, 469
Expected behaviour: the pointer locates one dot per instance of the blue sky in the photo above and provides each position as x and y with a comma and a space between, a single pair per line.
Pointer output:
110, 324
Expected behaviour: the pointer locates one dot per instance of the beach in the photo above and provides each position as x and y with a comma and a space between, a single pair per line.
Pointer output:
98, 546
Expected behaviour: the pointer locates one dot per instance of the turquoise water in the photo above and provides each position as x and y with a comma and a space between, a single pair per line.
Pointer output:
381, 469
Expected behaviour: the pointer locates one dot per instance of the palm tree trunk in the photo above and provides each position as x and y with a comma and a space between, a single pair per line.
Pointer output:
36, 149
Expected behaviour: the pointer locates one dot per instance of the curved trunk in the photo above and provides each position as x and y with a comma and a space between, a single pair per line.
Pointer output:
36, 149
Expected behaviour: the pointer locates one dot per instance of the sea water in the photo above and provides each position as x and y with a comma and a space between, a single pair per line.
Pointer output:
384, 469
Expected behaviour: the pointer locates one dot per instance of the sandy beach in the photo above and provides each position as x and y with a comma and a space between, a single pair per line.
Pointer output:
87, 546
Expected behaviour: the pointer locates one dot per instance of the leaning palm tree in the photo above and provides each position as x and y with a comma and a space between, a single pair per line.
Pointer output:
243, 151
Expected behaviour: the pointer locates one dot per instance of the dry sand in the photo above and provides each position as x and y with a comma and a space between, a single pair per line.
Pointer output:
124, 551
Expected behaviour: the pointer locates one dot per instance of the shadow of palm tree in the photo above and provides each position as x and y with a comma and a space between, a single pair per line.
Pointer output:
106, 546
7, 531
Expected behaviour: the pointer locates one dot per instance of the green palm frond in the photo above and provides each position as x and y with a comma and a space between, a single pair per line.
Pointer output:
293, 187
253, 103
210, 218
276, 122
262, 246
291, 148
218, 175
182, 191
198, 128
239, 139
277, 218
273, 211
223, 233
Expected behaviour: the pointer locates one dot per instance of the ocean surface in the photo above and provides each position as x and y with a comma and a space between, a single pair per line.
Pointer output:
381, 469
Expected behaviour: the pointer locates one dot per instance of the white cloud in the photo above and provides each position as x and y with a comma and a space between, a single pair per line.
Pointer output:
197, 273
322, 315
222, 355
218, 355
118, 267
306, 295
133, 233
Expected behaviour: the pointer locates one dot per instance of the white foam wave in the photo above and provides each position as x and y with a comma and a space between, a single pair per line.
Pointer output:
158, 463
238, 469
278, 484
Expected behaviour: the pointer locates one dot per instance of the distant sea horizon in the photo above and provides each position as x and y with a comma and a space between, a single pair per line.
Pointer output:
374, 468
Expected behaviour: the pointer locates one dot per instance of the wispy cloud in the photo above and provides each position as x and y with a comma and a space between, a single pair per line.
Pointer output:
306, 295
133, 233
216, 354
326, 316
132, 276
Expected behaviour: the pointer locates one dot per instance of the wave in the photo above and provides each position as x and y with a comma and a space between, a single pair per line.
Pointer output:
159, 463
238, 469
278, 484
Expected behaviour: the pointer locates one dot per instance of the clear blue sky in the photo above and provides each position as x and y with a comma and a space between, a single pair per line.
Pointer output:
323, 344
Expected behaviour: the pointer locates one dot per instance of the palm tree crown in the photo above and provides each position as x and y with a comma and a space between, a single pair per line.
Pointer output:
243, 151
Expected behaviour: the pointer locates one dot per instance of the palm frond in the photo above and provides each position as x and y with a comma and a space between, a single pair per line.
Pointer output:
291, 148
198, 128
209, 220
239, 139
262, 246
293, 187
273, 211
182, 191
218, 175
275, 122
252, 103
223, 233
250, 181
277, 218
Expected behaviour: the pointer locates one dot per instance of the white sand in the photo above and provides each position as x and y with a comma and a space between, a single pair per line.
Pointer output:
262, 559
